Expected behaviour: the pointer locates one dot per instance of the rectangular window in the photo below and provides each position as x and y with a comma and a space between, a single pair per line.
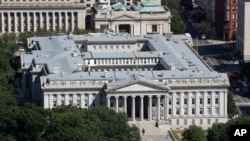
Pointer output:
177, 122
193, 121
154, 28
193, 101
216, 110
208, 121
78, 103
216, 100
177, 101
201, 100
86, 103
169, 101
54, 103
185, 100
216, 121
185, 111
193, 111
185, 121
208, 101
201, 110
209, 111
62, 103
170, 111
177, 111
70, 102
201, 121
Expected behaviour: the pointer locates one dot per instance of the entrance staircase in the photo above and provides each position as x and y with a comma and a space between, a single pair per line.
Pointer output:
152, 133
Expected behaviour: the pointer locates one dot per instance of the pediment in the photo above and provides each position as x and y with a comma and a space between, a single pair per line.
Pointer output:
137, 86
124, 17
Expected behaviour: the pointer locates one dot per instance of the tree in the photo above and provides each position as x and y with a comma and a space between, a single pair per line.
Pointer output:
194, 133
177, 25
205, 26
231, 107
220, 132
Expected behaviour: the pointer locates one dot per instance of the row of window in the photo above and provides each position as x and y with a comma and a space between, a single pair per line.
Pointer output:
77, 95
70, 102
193, 121
126, 61
201, 111
201, 101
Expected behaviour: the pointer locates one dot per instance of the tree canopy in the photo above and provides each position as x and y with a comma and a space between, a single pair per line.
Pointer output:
194, 133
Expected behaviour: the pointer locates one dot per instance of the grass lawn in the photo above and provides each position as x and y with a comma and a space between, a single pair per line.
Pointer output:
177, 134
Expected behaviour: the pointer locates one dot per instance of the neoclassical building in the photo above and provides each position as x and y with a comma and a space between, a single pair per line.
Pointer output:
136, 19
150, 77
66, 15
23, 15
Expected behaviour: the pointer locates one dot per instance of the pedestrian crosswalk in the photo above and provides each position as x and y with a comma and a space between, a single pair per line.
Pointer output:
242, 104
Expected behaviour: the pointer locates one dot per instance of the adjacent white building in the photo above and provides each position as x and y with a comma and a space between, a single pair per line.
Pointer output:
66, 15
243, 34
23, 15
150, 77
136, 19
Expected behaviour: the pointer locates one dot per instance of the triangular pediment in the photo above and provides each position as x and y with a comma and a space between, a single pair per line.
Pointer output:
124, 17
137, 85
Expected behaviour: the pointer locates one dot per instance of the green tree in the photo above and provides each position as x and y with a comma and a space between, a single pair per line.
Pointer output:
177, 25
231, 107
205, 26
194, 133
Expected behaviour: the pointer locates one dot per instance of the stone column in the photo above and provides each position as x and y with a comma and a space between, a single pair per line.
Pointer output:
28, 21
150, 108
142, 108
197, 103
3, 22
34, 21
108, 101
8, 21
72, 21
60, 20
46, 101
133, 108
225, 103
116, 103
66, 21
205, 103
15, 22
166, 107
125, 104
82, 100
66, 101
58, 100
21, 22
47, 21
158, 107
212, 103
53, 21
41, 20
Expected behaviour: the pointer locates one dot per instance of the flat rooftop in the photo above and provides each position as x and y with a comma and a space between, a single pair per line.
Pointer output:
62, 53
